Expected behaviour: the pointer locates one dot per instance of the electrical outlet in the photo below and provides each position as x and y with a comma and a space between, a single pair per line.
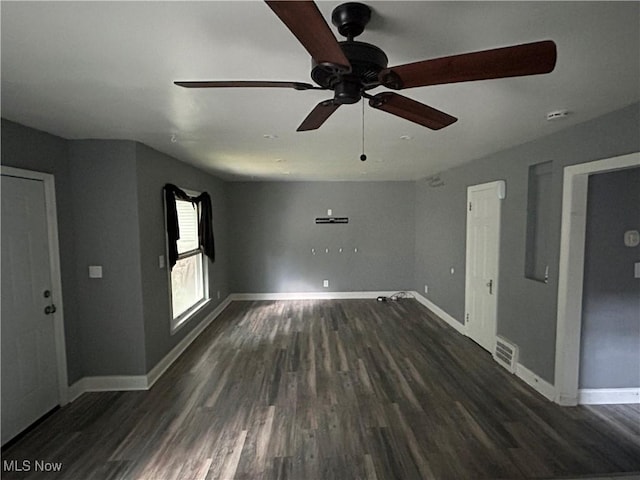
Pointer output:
426, 289
325, 283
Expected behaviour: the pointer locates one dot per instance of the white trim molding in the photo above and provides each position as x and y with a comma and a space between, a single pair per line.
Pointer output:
144, 382
156, 372
540, 385
312, 295
48, 181
444, 316
108, 383
571, 269
606, 396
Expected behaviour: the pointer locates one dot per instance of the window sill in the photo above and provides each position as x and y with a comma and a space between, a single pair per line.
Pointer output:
182, 320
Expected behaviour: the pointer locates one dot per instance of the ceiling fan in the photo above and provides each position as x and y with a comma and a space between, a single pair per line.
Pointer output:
351, 68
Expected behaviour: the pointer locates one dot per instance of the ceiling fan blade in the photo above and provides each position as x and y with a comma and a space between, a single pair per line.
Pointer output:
304, 20
244, 84
318, 115
518, 60
411, 110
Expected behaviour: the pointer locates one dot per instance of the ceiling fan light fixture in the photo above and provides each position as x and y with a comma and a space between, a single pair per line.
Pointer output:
347, 91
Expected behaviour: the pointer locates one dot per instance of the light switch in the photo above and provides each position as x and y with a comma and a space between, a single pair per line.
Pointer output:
631, 238
329, 212
636, 270
95, 271
161, 261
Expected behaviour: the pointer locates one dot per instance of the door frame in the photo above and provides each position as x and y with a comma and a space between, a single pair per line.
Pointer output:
571, 270
48, 181
499, 187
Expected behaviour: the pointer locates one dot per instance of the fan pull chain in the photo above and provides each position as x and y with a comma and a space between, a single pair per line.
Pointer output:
363, 157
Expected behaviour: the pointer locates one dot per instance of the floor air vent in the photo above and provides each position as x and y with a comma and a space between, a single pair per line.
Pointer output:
506, 354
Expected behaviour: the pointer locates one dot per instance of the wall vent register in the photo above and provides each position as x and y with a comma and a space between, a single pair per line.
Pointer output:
506, 354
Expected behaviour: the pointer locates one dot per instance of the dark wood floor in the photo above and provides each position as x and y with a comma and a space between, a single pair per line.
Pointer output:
335, 389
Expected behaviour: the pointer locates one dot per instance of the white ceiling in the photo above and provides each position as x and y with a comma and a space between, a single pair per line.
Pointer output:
106, 70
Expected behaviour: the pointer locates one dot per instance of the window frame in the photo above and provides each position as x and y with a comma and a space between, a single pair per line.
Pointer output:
181, 320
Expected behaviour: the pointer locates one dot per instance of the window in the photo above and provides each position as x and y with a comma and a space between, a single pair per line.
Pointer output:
189, 289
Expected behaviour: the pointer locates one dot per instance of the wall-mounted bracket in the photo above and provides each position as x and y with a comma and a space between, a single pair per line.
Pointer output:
329, 220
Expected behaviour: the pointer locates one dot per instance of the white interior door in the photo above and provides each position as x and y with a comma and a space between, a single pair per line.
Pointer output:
483, 242
30, 385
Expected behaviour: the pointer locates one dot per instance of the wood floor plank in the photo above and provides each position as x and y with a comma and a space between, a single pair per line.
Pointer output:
331, 389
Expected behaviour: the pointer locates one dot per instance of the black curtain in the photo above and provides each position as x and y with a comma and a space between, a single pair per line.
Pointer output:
205, 222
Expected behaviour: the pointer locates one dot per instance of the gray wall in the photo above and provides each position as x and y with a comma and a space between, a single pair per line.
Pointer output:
408, 234
103, 186
526, 308
610, 354
110, 213
273, 231
154, 170
30, 149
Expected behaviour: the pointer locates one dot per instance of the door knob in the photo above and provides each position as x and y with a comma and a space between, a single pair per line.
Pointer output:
49, 309
490, 285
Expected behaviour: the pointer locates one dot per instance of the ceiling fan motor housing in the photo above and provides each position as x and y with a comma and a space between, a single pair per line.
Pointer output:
366, 63
366, 60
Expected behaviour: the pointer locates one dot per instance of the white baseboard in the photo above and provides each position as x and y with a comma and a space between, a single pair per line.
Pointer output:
144, 382
538, 384
440, 313
566, 401
541, 386
107, 383
156, 372
310, 295
605, 396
